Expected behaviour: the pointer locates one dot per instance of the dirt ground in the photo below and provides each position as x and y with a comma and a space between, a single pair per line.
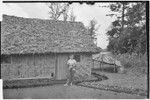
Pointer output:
59, 91
62, 92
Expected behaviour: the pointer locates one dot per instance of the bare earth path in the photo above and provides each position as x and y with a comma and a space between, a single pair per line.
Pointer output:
70, 92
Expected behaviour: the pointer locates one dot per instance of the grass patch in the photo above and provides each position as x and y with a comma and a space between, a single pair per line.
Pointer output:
113, 88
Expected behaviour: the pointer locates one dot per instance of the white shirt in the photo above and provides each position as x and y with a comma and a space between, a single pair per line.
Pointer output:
71, 62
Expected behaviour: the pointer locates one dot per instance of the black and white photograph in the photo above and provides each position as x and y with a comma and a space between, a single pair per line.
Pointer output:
75, 49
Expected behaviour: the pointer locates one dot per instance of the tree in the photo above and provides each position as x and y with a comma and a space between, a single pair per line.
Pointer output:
93, 29
119, 10
72, 17
128, 31
137, 26
58, 9
65, 15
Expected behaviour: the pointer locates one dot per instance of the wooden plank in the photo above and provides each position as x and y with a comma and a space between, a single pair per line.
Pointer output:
56, 66
62, 66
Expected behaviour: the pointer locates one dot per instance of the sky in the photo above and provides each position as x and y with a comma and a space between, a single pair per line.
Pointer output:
84, 13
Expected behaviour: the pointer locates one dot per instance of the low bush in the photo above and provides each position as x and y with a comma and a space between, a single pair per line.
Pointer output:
134, 62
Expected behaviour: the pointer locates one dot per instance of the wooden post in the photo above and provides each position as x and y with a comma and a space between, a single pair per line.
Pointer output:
101, 62
56, 65
115, 67
93, 62
100, 65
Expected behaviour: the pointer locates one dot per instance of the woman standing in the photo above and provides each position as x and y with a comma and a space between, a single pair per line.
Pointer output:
71, 70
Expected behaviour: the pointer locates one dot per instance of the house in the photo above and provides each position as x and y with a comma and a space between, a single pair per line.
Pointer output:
33, 47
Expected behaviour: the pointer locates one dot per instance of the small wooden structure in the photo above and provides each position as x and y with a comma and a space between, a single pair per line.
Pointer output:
40, 48
103, 58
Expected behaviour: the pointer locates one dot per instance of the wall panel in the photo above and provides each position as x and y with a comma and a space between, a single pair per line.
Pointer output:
29, 66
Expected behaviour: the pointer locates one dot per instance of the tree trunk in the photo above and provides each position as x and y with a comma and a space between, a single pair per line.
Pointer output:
123, 8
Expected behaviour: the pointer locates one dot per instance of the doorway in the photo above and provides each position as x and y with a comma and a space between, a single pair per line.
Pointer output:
61, 69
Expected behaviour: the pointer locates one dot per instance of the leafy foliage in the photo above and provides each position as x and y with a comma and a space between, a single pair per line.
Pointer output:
128, 35
93, 29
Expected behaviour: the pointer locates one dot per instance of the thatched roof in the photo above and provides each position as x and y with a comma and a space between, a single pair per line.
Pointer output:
29, 35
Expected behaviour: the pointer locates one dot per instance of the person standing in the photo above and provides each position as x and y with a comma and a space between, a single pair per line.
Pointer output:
70, 70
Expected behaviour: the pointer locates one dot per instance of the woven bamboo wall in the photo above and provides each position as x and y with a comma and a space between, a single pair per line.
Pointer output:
29, 66
32, 66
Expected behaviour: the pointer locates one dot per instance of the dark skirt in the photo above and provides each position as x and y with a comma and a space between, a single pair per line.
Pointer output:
70, 75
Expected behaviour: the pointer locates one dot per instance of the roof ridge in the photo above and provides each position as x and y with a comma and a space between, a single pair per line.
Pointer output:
42, 19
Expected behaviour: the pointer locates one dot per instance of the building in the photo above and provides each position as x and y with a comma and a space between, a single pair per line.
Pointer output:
33, 47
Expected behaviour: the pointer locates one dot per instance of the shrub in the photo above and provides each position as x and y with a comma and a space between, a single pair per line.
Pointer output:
134, 61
